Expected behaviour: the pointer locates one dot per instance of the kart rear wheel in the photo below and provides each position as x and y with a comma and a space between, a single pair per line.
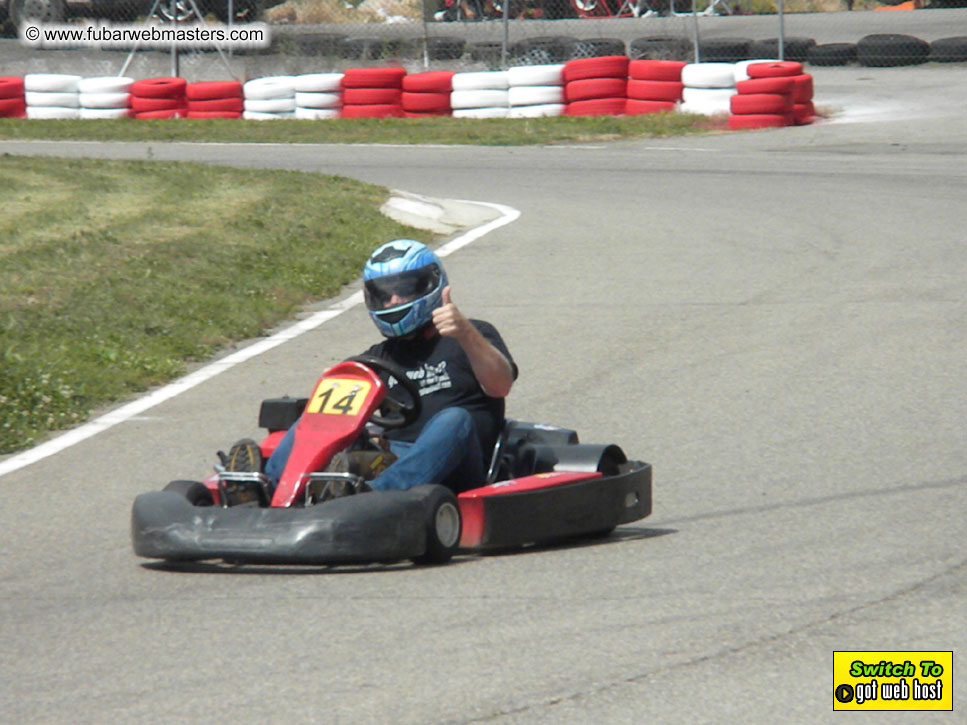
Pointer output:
195, 492
442, 526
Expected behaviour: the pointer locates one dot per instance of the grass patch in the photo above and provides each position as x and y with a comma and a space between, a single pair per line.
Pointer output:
441, 130
114, 274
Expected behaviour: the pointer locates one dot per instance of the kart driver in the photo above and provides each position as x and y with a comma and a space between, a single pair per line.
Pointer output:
461, 366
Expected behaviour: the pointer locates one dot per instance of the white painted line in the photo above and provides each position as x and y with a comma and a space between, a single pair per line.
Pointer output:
139, 406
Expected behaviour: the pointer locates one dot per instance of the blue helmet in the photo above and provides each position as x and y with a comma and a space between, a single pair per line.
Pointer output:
403, 282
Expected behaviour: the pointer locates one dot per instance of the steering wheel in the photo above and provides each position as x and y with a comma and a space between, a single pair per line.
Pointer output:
393, 412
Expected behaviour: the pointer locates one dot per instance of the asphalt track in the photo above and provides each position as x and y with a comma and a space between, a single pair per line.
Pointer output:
775, 320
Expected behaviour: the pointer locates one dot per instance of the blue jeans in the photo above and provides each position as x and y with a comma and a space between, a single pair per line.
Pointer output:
446, 452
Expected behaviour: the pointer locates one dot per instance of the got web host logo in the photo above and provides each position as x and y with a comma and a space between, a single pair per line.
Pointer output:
893, 680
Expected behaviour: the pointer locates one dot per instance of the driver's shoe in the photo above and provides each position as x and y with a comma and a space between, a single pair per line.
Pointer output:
245, 456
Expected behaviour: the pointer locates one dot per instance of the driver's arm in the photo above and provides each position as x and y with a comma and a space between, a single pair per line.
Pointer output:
492, 370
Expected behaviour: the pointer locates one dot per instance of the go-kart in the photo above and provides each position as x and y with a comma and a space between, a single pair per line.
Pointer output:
543, 486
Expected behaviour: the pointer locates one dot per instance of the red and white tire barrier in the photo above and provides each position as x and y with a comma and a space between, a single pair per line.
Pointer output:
596, 86
215, 99
654, 85
777, 93
51, 95
318, 96
372, 93
708, 88
427, 94
162, 97
754, 93
105, 97
269, 98
480, 94
12, 102
536, 91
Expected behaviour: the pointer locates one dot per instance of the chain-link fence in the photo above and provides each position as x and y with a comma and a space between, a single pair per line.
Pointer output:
330, 35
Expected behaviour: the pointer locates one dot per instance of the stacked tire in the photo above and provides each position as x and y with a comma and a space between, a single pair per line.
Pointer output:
51, 95
372, 92
427, 94
162, 97
776, 94
480, 94
707, 88
215, 99
105, 97
832, 54
654, 86
596, 86
269, 98
740, 71
318, 96
536, 91
882, 50
12, 103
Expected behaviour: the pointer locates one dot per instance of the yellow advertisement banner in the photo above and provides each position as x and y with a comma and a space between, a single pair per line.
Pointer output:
893, 680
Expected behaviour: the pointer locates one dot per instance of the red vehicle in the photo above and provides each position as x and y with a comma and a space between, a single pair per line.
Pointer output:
545, 486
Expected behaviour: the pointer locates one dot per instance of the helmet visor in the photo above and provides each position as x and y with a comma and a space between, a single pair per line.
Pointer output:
400, 288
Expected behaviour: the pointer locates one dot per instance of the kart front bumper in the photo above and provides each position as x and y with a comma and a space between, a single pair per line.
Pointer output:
355, 529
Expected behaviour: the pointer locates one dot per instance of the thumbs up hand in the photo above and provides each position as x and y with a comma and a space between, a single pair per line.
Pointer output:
448, 320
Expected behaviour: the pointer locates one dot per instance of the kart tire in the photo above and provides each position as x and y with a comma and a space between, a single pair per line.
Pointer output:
443, 525
371, 96
213, 90
390, 77
219, 105
832, 54
44, 98
429, 82
11, 87
779, 84
12, 108
598, 48
603, 67
597, 107
372, 110
318, 83
882, 50
668, 91
535, 95
774, 69
949, 50
161, 87
668, 71
195, 492
425, 102
318, 100
51, 82
269, 88
480, 81
660, 47
753, 103
724, 50
708, 75
591, 88
105, 84
793, 48
536, 75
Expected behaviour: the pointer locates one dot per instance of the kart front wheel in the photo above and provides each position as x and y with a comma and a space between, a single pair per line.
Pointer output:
197, 493
442, 526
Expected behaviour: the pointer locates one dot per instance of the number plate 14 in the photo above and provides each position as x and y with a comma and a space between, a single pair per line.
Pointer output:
339, 396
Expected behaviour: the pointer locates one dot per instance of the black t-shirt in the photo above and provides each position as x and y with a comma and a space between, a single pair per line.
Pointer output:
442, 371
